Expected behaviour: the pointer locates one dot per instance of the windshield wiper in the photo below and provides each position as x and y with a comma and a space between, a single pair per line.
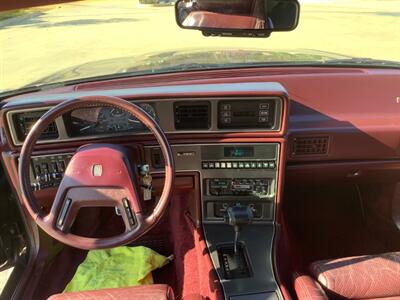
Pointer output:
359, 61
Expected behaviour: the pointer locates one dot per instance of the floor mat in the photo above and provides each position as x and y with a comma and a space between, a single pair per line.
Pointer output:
327, 222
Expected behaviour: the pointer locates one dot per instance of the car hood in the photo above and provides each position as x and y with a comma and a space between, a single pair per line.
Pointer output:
179, 60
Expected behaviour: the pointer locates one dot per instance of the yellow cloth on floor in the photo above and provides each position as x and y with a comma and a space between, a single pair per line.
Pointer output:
117, 267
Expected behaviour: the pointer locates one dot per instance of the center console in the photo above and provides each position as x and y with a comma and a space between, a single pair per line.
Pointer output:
239, 175
235, 175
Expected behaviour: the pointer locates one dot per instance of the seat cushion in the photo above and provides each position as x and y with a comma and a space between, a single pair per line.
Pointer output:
360, 277
144, 292
307, 288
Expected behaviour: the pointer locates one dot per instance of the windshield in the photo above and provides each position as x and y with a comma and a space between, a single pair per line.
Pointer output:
83, 39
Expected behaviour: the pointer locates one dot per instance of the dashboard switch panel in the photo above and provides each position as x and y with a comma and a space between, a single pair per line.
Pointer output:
47, 171
238, 165
246, 114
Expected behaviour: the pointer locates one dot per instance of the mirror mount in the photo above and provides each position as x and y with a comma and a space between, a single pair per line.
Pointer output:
238, 33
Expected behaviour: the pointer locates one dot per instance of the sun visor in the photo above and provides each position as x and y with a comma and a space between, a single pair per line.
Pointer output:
20, 4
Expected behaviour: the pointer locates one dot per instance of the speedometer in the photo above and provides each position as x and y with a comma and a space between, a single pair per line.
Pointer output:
149, 109
104, 120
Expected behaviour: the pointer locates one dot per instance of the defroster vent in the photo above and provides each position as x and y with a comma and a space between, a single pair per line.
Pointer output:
192, 115
313, 145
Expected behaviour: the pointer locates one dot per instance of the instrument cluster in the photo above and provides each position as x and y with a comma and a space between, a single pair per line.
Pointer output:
104, 120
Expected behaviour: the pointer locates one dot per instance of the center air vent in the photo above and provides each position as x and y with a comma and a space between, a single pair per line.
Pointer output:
192, 115
315, 145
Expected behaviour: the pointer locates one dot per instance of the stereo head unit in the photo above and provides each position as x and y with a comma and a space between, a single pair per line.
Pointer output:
246, 114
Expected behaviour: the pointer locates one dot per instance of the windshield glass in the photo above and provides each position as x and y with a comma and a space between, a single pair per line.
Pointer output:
82, 39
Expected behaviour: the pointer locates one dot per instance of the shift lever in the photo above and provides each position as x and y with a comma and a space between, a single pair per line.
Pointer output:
238, 216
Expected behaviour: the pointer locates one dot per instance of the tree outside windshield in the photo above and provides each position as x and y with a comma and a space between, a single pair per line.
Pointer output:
60, 39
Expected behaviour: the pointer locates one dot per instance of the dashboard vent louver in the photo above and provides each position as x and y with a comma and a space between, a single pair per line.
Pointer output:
192, 115
315, 145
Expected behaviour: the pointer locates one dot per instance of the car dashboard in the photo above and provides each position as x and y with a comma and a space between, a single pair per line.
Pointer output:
241, 136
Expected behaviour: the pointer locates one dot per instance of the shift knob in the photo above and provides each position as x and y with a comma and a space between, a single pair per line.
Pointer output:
238, 216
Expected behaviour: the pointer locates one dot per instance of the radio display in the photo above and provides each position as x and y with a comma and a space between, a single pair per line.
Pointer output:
238, 152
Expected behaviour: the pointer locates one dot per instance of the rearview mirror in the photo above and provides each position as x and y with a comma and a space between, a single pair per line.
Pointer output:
253, 18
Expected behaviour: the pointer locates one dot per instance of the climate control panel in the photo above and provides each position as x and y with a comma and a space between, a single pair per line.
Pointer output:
48, 170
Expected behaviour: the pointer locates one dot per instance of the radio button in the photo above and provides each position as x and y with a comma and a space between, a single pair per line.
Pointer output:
262, 120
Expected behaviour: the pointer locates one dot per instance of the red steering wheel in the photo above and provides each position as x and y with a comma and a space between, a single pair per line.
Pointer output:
97, 175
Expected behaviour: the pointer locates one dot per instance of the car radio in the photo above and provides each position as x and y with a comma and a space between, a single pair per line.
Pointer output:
258, 187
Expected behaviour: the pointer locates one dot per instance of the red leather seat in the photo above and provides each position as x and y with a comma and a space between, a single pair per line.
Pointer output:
145, 292
307, 288
359, 277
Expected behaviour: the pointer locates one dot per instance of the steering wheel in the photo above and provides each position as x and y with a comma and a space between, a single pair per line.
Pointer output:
98, 175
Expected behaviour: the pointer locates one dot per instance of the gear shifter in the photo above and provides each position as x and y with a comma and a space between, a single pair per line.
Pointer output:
238, 216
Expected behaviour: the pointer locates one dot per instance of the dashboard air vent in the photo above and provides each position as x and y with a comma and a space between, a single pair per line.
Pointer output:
315, 145
192, 115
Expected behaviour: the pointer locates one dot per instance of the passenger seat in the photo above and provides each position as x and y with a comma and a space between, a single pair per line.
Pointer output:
360, 277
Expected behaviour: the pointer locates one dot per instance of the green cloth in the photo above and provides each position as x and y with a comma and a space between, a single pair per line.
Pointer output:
117, 267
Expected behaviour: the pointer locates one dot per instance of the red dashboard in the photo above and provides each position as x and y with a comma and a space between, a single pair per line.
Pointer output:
339, 122
324, 125
357, 109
